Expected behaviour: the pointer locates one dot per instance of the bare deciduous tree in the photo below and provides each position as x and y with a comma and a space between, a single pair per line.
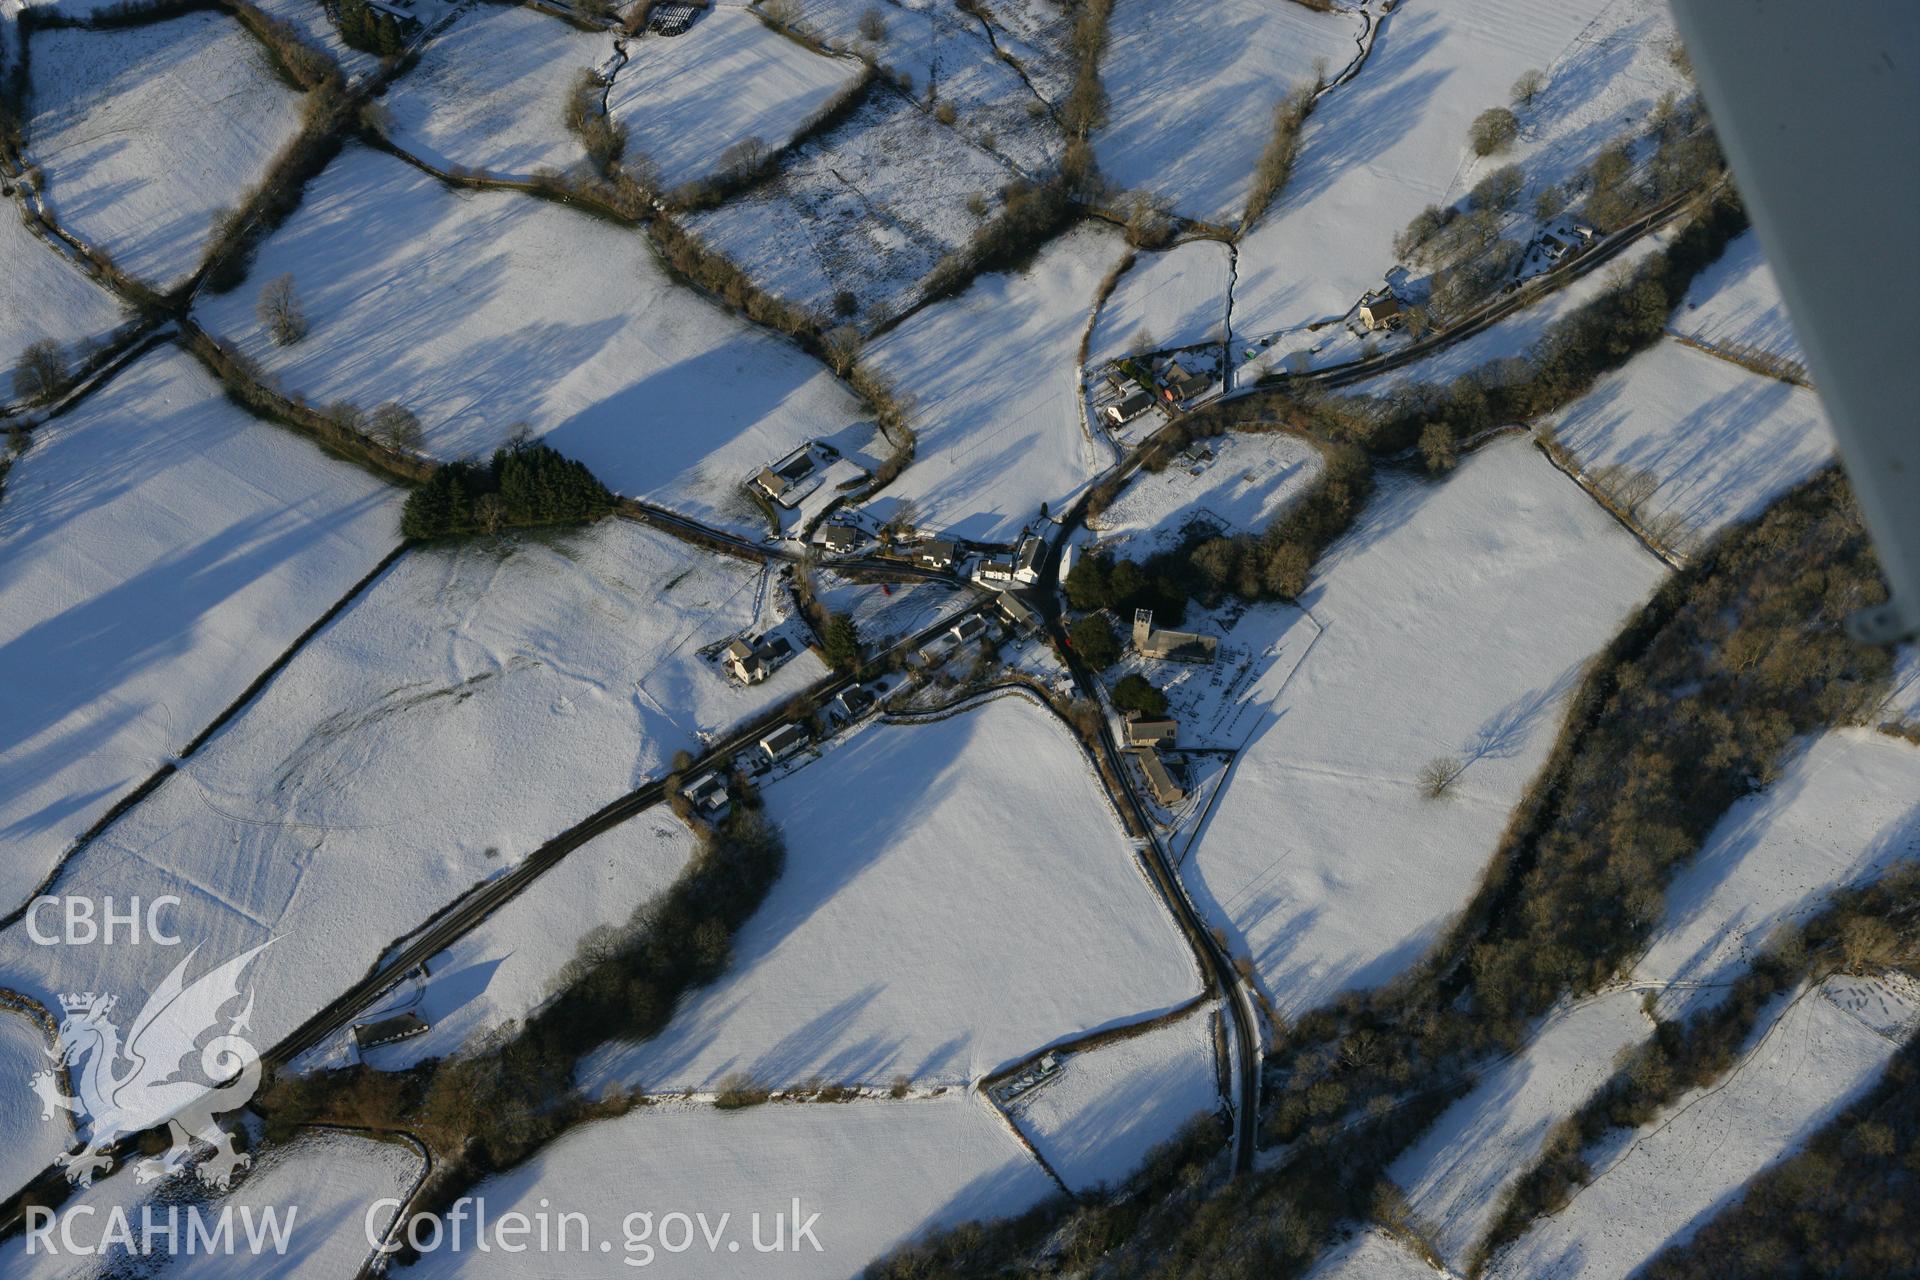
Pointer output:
1438, 774
280, 311
40, 373
396, 425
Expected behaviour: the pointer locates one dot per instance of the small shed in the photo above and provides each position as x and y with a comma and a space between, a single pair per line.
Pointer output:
371, 1035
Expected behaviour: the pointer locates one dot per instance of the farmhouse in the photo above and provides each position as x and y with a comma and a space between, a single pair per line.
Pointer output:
1027, 559
837, 537
1143, 731
935, 554
853, 703
1129, 407
1191, 387
783, 742
790, 479
1382, 311
1165, 790
995, 569
968, 627
708, 795
1182, 646
751, 661
1015, 609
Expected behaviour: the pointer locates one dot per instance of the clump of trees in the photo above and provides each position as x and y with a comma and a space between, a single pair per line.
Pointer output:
841, 642
1093, 639
1273, 564
1493, 130
1498, 190
518, 488
371, 30
1134, 692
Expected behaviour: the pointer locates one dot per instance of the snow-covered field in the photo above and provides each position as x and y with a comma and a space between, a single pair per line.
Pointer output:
1192, 86
508, 965
1456, 617
687, 99
1735, 303
945, 52
43, 295
491, 92
891, 611
1252, 479
159, 548
145, 133
482, 311
875, 1172
957, 895
28, 1144
470, 706
1165, 300
1843, 810
1603, 86
993, 380
1656, 1186
1107, 1107
1386, 144
1718, 441
1035, 33
321, 1187
866, 209
333, 1180
1456, 1174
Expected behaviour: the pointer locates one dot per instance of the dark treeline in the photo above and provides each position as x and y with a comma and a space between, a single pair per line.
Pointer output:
519, 487
1865, 930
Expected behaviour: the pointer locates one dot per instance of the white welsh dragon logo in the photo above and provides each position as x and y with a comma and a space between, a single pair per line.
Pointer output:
151, 1089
